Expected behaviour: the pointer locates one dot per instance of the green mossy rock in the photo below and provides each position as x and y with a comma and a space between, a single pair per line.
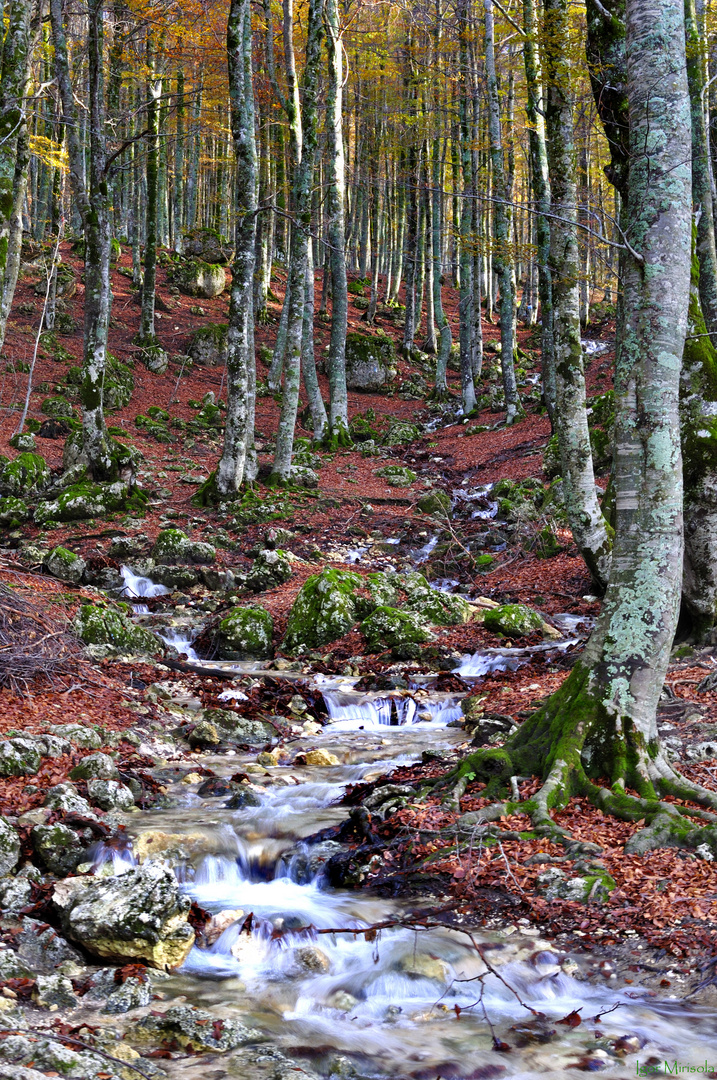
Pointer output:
197, 278
85, 737
87, 500
25, 443
19, 757
58, 848
324, 610
9, 847
64, 565
13, 512
382, 592
401, 432
435, 502
208, 345
174, 546
388, 627
397, 475
439, 608
138, 915
270, 568
246, 634
233, 728
58, 408
513, 620
175, 577
110, 625
95, 766
26, 473
370, 361
195, 1031
109, 794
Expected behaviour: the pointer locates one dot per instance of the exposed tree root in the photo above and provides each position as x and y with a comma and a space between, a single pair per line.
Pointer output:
337, 437
440, 394
580, 749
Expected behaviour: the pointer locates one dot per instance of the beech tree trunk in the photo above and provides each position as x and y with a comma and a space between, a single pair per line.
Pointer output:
589, 528
239, 429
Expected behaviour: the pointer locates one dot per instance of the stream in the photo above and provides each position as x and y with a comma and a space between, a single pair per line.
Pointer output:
401, 1002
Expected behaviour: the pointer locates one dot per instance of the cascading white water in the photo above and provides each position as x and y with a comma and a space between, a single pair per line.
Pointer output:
180, 639
136, 585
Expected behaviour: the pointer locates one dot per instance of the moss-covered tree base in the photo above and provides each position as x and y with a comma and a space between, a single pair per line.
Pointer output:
337, 437
579, 748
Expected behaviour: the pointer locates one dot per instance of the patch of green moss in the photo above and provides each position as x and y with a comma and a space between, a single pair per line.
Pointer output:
324, 610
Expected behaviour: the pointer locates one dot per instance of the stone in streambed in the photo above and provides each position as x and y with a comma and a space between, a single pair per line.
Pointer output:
246, 633
95, 766
110, 794
110, 625
58, 848
64, 565
319, 757
139, 915
388, 627
324, 610
513, 620
19, 757
194, 1030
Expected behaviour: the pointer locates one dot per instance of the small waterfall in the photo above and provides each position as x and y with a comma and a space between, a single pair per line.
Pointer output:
179, 639
136, 585
120, 855
352, 714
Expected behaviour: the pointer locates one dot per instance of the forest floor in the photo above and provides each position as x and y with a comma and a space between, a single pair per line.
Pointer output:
658, 927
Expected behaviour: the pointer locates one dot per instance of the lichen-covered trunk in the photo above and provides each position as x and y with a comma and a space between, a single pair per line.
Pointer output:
702, 180
467, 240
603, 720
14, 247
336, 360
93, 205
317, 408
535, 111
178, 209
445, 338
502, 240
303, 122
583, 510
239, 428
154, 93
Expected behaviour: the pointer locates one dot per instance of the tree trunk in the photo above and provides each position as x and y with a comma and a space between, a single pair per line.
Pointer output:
336, 360
502, 261
178, 211
303, 124
92, 203
311, 382
702, 180
541, 192
239, 429
146, 335
440, 391
583, 510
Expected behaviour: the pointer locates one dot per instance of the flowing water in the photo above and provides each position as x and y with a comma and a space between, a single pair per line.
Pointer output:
401, 1002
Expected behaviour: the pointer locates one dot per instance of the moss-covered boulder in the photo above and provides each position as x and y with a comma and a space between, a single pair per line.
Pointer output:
196, 1032
19, 757
208, 345
519, 500
58, 408
388, 627
95, 766
58, 848
401, 432
269, 569
173, 546
25, 474
439, 608
175, 577
207, 245
65, 565
111, 625
435, 502
119, 384
233, 728
246, 634
397, 475
552, 465
370, 361
382, 590
24, 443
87, 500
109, 794
197, 278
513, 620
139, 915
324, 610
152, 355
13, 512
9, 847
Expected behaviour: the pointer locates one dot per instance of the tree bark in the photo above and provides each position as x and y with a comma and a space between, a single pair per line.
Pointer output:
583, 510
338, 432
